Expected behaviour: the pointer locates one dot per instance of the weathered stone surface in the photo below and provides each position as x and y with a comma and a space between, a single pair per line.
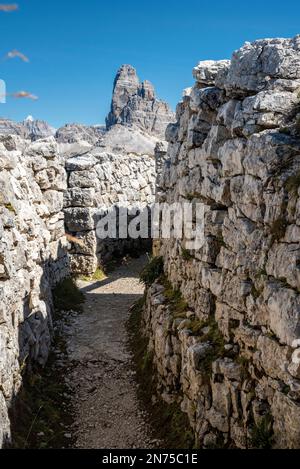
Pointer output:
206, 71
235, 148
257, 65
33, 258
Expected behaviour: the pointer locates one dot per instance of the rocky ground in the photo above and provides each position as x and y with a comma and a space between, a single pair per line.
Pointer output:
106, 410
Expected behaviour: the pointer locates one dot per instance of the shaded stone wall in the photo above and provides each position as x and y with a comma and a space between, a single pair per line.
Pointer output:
231, 356
32, 258
41, 197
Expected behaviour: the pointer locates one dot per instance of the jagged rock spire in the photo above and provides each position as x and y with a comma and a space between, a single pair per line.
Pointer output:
135, 104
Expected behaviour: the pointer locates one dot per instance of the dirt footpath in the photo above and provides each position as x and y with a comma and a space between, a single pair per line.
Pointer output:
107, 415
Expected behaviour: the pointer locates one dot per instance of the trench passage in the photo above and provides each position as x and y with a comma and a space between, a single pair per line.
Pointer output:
106, 407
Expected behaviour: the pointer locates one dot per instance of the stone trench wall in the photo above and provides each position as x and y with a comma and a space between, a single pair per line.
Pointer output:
99, 181
32, 258
231, 356
43, 196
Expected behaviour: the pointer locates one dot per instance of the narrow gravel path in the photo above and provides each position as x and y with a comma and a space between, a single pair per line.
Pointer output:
107, 415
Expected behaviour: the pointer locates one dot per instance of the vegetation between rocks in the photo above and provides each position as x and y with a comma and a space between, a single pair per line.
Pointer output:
10, 208
42, 412
186, 255
278, 229
292, 184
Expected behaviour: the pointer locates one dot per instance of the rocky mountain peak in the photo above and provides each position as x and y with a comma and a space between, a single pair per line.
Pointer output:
127, 77
36, 128
134, 104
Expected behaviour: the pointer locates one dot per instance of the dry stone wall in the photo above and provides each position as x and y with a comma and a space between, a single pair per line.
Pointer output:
231, 356
32, 258
97, 182
52, 191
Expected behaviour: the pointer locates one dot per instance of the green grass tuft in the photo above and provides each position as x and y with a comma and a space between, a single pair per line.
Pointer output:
153, 270
215, 337
10, 208
244, 362
285, 130
177, 303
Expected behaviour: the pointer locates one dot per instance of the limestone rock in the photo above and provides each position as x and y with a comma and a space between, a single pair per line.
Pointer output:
33, 258
134, 104
30, 128
75, 133
36, 129
206, 71
235, 149
257, 65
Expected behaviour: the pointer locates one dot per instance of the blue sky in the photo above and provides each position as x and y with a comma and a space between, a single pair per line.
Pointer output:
75, 48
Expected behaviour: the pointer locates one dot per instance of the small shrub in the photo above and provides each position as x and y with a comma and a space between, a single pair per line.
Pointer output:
67, 296
147, 361
297, 125
256, 292
220, 241
244, 362
191, 196
262, 433
153, 270
261, 273
197, 326
286, 389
